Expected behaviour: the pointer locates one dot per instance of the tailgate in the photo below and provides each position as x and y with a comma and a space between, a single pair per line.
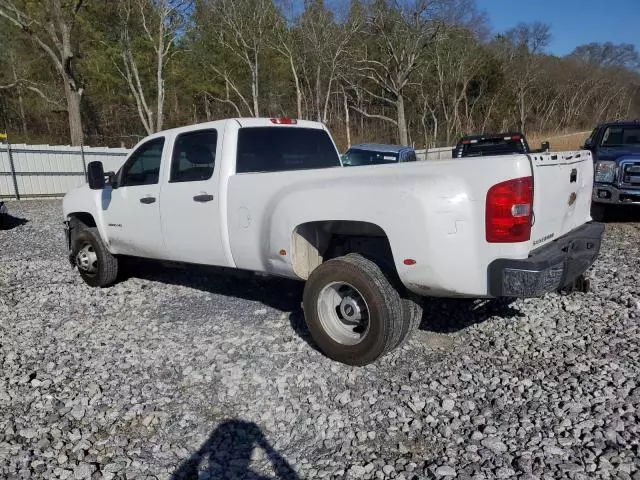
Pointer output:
563, 182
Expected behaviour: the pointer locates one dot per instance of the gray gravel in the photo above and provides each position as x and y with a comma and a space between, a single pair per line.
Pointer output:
198, 374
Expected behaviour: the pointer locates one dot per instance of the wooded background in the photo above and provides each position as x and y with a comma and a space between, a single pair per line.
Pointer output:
108, 72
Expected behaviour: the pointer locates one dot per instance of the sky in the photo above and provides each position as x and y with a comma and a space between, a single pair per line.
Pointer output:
573, 22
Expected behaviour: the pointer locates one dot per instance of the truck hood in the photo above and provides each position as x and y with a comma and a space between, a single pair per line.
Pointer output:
617, 153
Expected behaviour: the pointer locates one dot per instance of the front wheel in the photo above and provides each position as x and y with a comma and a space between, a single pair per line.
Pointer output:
97, 267
352, 310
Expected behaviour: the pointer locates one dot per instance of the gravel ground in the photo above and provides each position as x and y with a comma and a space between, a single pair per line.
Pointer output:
198, 374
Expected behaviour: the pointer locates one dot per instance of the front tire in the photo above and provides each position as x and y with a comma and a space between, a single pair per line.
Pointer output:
352, 310
97, 267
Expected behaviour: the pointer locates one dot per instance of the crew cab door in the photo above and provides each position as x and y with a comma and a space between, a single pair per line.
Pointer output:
190, 203
131, 212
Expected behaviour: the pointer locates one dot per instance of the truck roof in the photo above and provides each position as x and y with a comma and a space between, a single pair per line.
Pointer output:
381, 147
244, 122
483, 136
619, 122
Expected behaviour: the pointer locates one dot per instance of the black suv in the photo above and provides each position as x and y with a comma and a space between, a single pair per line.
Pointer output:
615, 147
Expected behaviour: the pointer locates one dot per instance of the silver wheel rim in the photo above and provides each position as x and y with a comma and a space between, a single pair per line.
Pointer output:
87, 259
343, 313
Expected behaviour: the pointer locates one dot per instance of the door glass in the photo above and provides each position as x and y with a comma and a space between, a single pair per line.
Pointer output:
194, 156
143, 167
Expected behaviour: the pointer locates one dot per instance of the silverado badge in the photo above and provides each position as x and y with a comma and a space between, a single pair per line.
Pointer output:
572, 198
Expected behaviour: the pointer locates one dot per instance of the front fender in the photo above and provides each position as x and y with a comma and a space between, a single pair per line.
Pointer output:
83, 201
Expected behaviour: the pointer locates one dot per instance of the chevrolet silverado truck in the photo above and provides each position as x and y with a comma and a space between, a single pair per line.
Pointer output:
615, 147
271, 196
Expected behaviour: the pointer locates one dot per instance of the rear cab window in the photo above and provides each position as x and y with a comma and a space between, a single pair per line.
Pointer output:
281, 149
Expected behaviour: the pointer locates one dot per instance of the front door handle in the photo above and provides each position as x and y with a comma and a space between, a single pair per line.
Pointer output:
147, 200
205, 197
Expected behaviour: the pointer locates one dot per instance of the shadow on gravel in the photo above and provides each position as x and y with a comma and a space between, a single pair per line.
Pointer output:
622, 214
452, 315
227, 454
9, 222
279, 293
440, 315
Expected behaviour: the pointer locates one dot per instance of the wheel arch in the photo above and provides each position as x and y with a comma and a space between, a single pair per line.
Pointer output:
85, 217
315, 242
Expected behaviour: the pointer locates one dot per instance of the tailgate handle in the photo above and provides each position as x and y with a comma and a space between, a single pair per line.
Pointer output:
574, 176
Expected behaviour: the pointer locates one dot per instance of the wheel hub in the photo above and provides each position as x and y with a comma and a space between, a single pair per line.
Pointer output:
344, 313
86, 259
351, 309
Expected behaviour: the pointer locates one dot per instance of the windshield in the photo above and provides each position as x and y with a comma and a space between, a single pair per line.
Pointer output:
492, 146
621, 136
279, 149
357, 157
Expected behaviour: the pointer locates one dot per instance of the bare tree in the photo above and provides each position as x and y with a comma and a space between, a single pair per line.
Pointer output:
608, 55
246, 27
52, 32
288, 44
161, 21
521, 48
399, 37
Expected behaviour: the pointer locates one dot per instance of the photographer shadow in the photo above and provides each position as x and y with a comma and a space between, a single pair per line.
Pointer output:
228, 452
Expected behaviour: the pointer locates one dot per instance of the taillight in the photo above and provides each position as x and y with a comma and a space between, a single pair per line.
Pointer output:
284, 121
510, 211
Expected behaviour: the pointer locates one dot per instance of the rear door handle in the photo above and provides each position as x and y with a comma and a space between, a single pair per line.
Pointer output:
147, 200
205, 197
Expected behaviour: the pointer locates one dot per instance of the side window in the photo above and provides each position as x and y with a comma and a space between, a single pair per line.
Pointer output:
143, 167
194, 156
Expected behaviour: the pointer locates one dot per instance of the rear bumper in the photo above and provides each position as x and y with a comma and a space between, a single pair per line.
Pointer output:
608, 194
548, 268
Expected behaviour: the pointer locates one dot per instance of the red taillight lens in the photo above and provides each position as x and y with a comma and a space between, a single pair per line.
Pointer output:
509, 211
284, 121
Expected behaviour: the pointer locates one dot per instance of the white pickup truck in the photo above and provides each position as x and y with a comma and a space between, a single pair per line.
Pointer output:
271, 196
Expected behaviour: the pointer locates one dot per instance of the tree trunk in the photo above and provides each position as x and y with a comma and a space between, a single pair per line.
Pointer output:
402, 121
298, 91
317, 96
23, 118
74, 99
254, 85
346, 118
160, 79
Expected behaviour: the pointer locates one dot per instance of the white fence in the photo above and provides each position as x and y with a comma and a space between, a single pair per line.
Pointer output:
50, 171
440, 153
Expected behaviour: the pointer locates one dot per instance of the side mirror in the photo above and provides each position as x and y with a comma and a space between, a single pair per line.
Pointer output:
588, 144
95, 175
112, 179
545, 146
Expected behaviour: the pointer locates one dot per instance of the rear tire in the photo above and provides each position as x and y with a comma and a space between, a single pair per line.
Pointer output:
96, 265
352, 310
